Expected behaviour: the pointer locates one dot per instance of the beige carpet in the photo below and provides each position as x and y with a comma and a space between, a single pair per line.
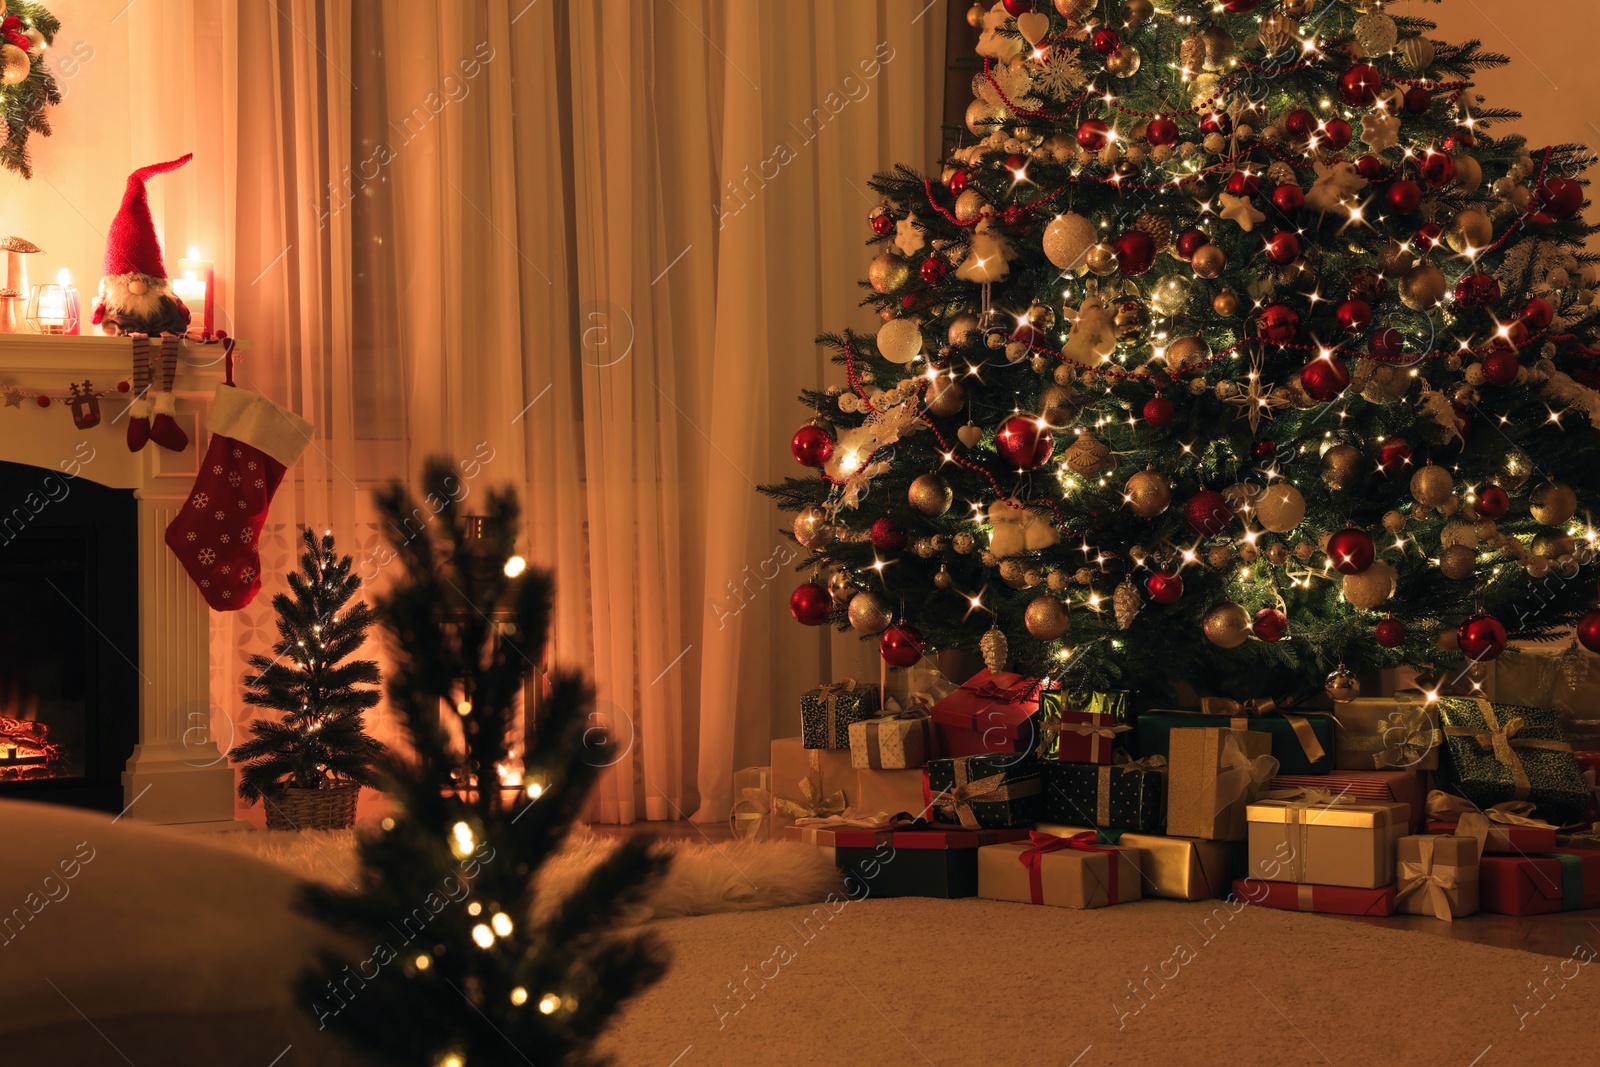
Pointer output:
914, 982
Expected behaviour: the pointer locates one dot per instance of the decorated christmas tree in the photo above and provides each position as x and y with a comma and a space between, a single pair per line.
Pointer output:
26, 84
319, 741
465, 970
1241, 343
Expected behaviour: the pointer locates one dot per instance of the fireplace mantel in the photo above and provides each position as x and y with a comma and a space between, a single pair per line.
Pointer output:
177, 775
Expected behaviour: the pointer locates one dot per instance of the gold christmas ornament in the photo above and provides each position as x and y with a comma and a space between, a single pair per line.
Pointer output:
1186, 352
1369, 589
1124, 62
1422, 287
1046, 619
1040, 316
1088, 458
1227, 625
1277, 555
1220, 556
1225, 304
1417, 54
889, 272
1395, 259
1067, 241
1056, 406
1457, 562
1552, 545
942, 578
1137, 12
945, 397
1148, 494
813, 528
929, 495
963, 330
1171, 295
1125, 604
1012, 572
1342, 685
1459, 533
1241, 497
995, 648
1219, 46
1209, 261
1280, 507
1471, 229
841, 587
1553, 503
1341, 466
868, 614
963, 543
1059, 581
1431, 485
1516, 467
13, 65
1101, 258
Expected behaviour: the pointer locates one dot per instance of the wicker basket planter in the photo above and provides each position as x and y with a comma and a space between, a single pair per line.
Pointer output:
333, 808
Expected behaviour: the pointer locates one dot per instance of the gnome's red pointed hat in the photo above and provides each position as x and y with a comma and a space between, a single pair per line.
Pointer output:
131, 246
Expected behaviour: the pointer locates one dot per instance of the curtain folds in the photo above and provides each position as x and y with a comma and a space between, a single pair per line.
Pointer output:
584, 247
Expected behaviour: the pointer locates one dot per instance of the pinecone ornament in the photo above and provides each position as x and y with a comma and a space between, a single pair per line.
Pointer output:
1192, 54
1159, 229
1125, 604
1280, 173
996, 650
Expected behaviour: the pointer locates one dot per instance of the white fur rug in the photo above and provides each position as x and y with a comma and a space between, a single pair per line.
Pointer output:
704, 878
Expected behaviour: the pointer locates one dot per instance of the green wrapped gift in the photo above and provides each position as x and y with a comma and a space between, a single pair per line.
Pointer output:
1302, 744
1124, 795
990, 791
1500, 752
1083, 726
827, 711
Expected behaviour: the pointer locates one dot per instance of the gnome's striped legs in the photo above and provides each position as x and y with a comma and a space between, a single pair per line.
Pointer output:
139, 410
165, 430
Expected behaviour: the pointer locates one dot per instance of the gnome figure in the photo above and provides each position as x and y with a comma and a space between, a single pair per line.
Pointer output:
136, 300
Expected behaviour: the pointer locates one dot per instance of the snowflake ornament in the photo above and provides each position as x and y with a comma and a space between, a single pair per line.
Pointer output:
1336, 183
1380, 130
1060, 72
908, 236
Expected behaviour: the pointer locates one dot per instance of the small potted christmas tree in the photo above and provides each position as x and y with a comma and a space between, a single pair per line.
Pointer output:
310, 765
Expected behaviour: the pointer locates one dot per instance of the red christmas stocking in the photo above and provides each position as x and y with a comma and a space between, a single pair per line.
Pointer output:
253, 441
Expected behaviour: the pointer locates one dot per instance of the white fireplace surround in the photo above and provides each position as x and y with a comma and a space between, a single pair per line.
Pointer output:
176, 775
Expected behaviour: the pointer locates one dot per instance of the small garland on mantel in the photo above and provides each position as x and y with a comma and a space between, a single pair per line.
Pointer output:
84, 398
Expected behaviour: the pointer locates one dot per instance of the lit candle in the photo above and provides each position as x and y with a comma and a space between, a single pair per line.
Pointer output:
193, 285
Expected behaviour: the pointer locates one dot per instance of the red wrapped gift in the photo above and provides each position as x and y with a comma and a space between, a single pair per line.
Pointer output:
990, 713
1362, 787
1506, 827
1328, 899
1536, 885
1512, 840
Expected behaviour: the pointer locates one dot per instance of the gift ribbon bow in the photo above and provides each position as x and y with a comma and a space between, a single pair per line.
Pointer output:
1503, 739
830, 702
1050, 733
1042, 844
1149, 764
873, 729
918, 703
814, 804
1296, 803
1435, 885
848, 819
1242, 712
1238, 777
993, 691
1447, 807
1305, 796
1406, 739
751, 813
956, 802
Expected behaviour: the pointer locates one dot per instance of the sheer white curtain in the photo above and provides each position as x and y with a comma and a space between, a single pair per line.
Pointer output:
585, 246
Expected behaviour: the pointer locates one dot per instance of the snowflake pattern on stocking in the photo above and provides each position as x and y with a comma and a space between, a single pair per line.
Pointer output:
247, 575
201, 500
234, 479
206, 556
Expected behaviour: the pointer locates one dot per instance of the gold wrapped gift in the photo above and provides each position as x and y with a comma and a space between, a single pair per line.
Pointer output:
1061, 872
892, 791
1387, 733
1178, 868
808, 782
1325, 840
1212, 773
1438, 875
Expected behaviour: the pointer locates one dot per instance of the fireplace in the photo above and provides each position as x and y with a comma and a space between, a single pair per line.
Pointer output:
69, 684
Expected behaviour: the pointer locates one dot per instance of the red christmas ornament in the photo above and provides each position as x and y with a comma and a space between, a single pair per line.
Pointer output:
1240, 7
1386, 342
1493, 503
1016, 8
1092, 134
1500, 367
883, 225
1338, 134
1288, 198
1243, 183
1390, 633
1354, 316
1207, 513
932, 270
1161, 131
1560, 197
1299, 123
1477, 290
1105, 41
811, 445
1405, 196
1351, 551
1430, 235
887, 536
1158, 411
1369, 167
1437, 169
1024, 442
124, 385
1216, 122
42, 401
1482, 637
1589, 631
1513, 335
1461, 139
1279, 323
1189, 242
1015, 163
901, 646
1418, 100
1014, 215
958, 181
1283, 247
810, 604
1394, 457
1324, 379
1164, 588
1270, 624
1263, 449
1136, 252
1359, 86
1537, 313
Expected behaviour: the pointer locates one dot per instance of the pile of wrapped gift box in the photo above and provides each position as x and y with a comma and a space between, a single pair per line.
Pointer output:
1009, 789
